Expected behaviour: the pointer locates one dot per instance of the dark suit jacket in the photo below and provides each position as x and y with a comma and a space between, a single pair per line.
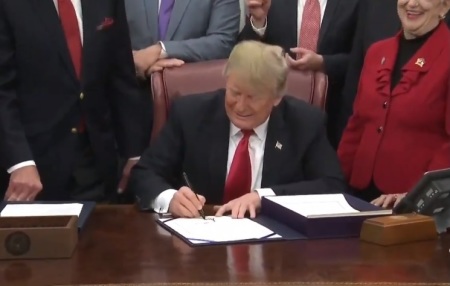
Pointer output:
195, 140
377, 20
394, 137
40, 95
335, 42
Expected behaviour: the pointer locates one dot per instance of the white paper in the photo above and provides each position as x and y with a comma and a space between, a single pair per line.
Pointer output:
26, 210
316, 205
221, 229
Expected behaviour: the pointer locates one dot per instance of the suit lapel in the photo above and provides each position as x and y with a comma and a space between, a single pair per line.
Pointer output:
175, 19
152, 12
328, 18
218, 134
291, 15
275, 149
89, 28
422, 60
46, 10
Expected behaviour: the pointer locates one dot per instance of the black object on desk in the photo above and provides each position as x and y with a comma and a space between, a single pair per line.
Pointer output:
430, 196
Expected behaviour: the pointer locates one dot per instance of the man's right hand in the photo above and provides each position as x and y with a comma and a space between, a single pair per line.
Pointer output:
185, 203
258, 9
24, 184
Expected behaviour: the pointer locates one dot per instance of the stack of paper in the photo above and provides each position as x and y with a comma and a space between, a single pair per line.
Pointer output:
218, 229
21, 210
328, 205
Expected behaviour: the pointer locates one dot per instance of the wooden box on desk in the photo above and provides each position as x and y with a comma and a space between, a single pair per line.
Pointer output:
398, 229
38, 237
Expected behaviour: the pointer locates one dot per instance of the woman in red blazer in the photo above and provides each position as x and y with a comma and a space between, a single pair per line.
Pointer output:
400, 127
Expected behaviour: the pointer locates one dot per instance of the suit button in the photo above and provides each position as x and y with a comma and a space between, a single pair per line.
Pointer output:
385, 104
74, 131
81, 96
380, 129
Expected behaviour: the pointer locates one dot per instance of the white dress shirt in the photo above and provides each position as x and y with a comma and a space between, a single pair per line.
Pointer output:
257, 143
163, 54
301, 5
78, 12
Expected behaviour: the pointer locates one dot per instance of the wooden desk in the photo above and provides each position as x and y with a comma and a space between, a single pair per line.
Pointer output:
121, 245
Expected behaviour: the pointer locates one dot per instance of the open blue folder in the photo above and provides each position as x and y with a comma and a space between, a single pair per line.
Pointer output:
282, 230
293, 226
88, 208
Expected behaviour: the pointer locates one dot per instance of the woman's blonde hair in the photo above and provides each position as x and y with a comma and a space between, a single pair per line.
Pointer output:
263, 66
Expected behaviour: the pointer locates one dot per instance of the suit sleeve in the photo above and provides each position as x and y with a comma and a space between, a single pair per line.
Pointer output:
355, 65
125, 96
335, 66
220, 36
14, 147
320, 167
441, 159
160, 164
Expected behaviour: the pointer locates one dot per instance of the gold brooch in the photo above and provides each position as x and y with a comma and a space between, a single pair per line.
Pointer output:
420, 62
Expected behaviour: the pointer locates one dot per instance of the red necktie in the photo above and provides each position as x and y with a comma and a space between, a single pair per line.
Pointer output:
240, 175
71, 30
310, 26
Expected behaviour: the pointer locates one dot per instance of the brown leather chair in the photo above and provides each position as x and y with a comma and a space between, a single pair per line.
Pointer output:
207, 76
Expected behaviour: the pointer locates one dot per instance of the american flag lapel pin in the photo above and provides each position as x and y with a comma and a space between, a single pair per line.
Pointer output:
278, 145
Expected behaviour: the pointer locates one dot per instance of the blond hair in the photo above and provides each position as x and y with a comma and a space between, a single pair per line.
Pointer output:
263, 66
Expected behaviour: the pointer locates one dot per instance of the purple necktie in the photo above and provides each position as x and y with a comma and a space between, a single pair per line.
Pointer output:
165, 10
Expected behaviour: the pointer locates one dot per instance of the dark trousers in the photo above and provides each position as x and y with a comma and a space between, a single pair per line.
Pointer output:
146, 110
86, 183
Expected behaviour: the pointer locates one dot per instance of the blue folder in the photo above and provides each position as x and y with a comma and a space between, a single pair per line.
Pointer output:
88, 208
323, 227
210, 243
293, 226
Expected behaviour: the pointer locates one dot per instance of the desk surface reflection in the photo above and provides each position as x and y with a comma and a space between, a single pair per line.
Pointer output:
121, 245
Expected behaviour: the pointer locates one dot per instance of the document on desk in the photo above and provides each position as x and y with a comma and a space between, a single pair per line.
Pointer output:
218, 229
327, 205
20, 210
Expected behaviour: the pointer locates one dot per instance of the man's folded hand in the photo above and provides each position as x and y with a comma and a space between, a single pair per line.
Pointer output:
164, 63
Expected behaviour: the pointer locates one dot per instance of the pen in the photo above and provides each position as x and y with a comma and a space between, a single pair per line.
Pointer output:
186, 180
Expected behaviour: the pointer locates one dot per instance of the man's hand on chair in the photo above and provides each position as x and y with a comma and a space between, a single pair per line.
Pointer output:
164, 63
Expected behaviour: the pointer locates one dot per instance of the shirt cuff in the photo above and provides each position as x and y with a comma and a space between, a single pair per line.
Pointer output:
21, 165
265, 192
162, 201
135, 158
163, 54
259, 31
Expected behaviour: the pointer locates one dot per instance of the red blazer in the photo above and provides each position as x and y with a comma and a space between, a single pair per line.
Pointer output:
394, 137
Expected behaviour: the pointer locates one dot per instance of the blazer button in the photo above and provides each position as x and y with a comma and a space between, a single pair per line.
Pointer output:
380, 129
81, 96
74, 131
385, 104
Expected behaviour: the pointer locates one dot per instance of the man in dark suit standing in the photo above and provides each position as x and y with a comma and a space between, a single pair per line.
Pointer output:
239, 144
377, 20
67, 98
318, 35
